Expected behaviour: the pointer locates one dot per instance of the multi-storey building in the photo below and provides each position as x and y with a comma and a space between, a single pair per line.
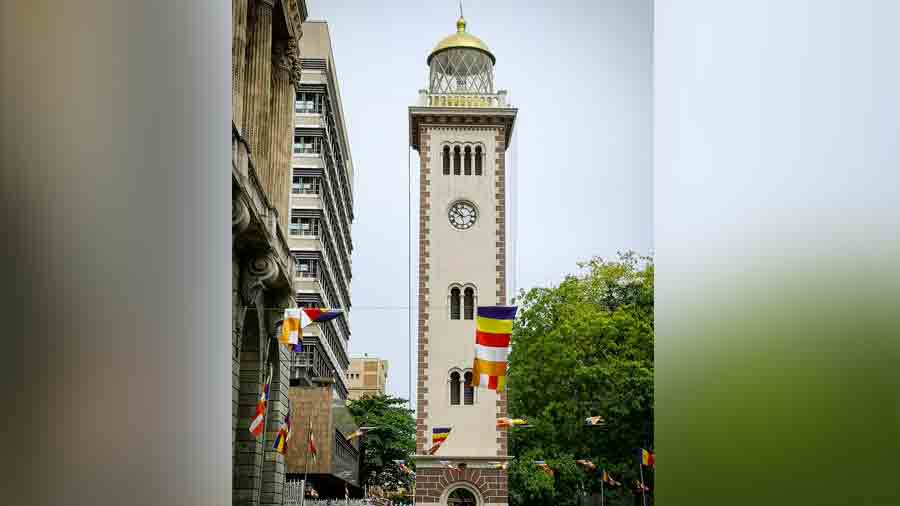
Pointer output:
265, 73
367, 376
320, 202
461, 128
321, 211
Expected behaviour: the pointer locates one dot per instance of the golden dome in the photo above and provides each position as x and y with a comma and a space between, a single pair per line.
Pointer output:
461, 39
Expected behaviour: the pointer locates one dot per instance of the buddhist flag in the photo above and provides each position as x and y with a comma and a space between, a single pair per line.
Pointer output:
448, 464
587, 463
311, 448
284, 434
543, 467
358, 432
510, 422
317, 315
256, 426
403, 467
290, 326
497, 465
296, 319
438, 436
492, 330
646, 457
594, 420
608, 479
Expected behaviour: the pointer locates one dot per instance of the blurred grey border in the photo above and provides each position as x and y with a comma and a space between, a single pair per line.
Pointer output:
777, 230
776, 215
115, 186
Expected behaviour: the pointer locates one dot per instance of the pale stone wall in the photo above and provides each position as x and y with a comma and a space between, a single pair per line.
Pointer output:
463, 257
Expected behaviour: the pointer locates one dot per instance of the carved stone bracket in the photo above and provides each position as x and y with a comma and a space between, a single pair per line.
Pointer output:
294, 55
240, 217
257, 276
281, 55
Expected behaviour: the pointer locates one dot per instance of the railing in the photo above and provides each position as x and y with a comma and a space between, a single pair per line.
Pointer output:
345, 459
488, 100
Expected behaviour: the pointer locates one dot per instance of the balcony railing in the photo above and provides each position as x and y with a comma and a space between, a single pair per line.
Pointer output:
345, 459
486, 100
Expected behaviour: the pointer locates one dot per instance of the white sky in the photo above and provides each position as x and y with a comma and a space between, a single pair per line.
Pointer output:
580, 73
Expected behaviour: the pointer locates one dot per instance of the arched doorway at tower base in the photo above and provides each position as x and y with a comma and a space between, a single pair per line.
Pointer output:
461, 494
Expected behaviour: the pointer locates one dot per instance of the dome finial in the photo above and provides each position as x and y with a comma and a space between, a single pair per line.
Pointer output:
461, 22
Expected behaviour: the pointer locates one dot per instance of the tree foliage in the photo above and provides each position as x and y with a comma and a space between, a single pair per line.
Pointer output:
393, 438
580, 349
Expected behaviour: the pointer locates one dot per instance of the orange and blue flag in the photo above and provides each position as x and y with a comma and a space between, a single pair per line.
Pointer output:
493, 328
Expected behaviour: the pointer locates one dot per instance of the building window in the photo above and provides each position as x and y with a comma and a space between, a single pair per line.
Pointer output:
307, 185
461, 497
469, 304
477, 160
454, 388
446, 160
304, 226
308, 103
454, 303
468, 390
306, 268
456, 156
468, 161
305, 144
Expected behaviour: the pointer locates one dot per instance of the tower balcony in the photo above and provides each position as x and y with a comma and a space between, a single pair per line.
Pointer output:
498, 100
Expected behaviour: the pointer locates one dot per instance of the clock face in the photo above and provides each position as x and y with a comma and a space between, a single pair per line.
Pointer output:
462, 215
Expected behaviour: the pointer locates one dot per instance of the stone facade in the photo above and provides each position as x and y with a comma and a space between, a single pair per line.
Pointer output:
262, 281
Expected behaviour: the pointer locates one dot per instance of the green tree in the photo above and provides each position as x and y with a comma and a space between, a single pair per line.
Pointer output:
393, 438
582, 348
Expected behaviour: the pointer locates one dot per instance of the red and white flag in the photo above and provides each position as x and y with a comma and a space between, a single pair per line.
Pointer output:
312, 449
258, 422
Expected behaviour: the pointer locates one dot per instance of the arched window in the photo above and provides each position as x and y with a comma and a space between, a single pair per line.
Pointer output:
456, 161
454, 388
446, 160
468, 161
469, 304
461, 497
454, 303
477, 160
468, 390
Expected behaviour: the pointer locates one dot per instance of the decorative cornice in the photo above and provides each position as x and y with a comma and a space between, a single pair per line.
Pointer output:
453, 117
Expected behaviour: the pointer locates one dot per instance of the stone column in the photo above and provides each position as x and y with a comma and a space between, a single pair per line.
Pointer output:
257, 78
238, 60
257, 275
277, 179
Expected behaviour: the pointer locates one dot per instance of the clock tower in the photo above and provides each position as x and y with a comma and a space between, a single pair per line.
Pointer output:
461, 127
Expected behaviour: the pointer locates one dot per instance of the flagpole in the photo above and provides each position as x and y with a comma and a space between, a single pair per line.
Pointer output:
602, 479
306, 463
263, 437
643, 488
